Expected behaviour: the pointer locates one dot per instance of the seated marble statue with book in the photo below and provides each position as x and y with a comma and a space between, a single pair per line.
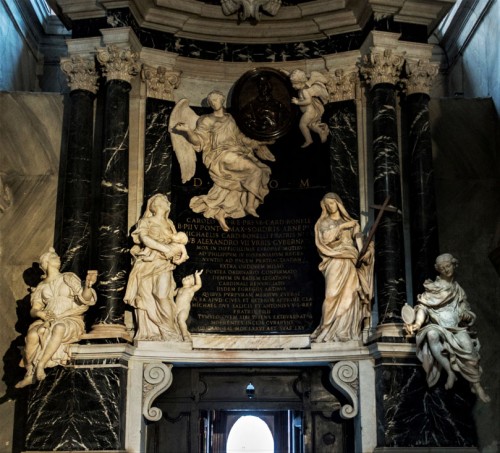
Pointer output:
442, 321
59, 302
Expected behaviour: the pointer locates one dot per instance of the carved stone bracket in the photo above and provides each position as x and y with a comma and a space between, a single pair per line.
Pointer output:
160, 83
344, 377
341, 85
250, 9
118, 64
157, 378
381, 66
420, 76
81, 73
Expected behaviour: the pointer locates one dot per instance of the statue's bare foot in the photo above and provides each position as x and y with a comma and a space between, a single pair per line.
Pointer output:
450, 381
40, 373
222, 221
28, 380
306, 144
481, 394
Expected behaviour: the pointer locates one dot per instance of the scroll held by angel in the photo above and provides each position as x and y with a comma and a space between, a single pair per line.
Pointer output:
234, 161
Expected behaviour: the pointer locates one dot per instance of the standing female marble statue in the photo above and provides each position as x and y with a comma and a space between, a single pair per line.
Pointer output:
240, 179
348, 276
442, 319
151, 285
59, 301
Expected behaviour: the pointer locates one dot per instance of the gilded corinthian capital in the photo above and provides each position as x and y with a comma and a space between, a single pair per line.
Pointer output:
160, 83
118, 64
420, 76
80, 72
382, 66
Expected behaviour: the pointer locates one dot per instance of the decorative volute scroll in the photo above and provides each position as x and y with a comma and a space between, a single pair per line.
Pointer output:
118, 64
157, 378
382, 66
420, 76
344, 377
250, 9
341, 84
160, 83
81, 73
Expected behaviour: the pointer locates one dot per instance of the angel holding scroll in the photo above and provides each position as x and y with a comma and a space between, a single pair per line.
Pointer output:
240, 179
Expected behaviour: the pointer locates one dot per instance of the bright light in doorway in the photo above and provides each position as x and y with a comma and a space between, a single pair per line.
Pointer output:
250, 435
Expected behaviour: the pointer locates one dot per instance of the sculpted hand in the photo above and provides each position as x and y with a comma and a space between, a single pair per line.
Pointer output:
183, 127
90, 279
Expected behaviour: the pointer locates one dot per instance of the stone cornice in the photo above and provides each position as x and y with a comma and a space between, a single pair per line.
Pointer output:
81, 73
304, 21
160, 83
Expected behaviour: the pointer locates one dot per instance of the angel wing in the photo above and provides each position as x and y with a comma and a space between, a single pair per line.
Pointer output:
271, 6
184, 150
319, 81
230, 6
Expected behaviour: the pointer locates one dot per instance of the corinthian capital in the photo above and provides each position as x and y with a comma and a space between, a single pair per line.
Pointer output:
341, 85
80, 72
420, 75
118, 64
160, 83
382, 66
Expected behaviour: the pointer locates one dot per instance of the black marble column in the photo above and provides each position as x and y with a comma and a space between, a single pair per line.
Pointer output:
77, 198
157, 149
343, 141
423, 218
389, 244
113, 250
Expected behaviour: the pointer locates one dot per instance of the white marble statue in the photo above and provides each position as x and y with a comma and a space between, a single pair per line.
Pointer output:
183, 297
441, 320
158, 249
59, 302
312, 95
240, 178
348, 276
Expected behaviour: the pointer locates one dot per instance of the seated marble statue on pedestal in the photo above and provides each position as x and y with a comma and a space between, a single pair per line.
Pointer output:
59, 302
442, 320
240, 178
312, 95
151, 287
348, 273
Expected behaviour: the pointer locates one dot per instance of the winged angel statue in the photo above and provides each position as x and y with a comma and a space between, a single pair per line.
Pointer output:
240, 178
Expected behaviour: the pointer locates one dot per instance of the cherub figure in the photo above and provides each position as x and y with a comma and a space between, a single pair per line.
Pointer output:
240, 178
441, 320
312, 95
184, 296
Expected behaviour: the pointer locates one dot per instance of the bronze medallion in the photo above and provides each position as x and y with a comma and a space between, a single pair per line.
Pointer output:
261, 104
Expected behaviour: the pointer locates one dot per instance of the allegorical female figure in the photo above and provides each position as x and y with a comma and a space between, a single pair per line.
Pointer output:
442, 319
59, 302
348, 276
151, 286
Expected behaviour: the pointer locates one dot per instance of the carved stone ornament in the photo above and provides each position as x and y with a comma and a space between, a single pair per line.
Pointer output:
81, 73
5, 196
160, 83
344, 377
250, 9
420, 76
341, 85
382, 66
118, 64
157, 378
